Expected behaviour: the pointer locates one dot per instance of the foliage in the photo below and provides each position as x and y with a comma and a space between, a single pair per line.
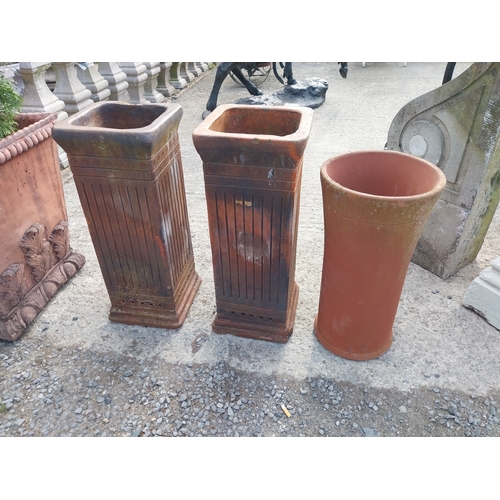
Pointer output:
10, 105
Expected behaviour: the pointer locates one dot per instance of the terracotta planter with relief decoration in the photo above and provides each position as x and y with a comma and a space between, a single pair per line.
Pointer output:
36, 258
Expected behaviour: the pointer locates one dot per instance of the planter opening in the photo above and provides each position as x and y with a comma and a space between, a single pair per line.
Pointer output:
261, 121
382, 174
118, 116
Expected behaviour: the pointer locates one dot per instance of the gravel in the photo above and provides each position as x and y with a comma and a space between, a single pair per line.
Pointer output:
85, 393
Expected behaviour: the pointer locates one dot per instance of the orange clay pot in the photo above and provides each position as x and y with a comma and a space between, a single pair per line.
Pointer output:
376, 204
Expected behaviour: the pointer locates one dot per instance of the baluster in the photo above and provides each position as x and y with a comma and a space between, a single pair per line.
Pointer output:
203, 66
176, 79
185, 73
163, 80
93, 81
194, 69
117, 80
136, 78
150, 88
69, 89
38, 98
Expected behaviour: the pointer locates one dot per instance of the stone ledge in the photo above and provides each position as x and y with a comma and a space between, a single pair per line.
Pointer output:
483, 294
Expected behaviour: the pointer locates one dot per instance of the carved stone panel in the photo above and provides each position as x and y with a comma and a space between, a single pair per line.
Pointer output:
456, 127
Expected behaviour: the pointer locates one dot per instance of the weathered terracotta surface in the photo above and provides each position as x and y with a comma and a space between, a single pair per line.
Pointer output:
376, 204
127, 168
252, 163
35, 254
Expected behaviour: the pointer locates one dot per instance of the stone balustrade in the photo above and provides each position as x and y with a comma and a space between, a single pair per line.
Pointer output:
78, 85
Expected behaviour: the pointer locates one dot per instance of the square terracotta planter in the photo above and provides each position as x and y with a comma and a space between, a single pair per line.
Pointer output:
128, 172
35, 254
252, 163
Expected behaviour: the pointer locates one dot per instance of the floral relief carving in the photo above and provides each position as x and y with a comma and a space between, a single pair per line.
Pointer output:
37, 250
26, 287
60, 239
11, 287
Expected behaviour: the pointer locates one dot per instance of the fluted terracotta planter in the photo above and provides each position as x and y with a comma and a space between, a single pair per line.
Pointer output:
36, 259
252, 163
127, 168
376, 204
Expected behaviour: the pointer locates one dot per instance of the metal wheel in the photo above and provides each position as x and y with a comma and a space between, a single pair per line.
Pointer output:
254, 72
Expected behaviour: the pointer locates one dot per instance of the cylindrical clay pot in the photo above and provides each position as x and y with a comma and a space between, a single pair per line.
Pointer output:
376, 204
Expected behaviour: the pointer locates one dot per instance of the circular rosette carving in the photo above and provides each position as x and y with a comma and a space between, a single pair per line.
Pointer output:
424, 139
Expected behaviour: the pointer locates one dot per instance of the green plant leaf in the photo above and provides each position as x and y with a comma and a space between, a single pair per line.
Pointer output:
10, 105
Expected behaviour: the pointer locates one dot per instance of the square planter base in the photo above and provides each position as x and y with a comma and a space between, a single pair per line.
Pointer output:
154, 311
256, 325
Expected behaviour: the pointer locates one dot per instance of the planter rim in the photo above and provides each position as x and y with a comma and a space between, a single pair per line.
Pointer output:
68, 123
28, 136
439, 186
80, 135
302, 132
